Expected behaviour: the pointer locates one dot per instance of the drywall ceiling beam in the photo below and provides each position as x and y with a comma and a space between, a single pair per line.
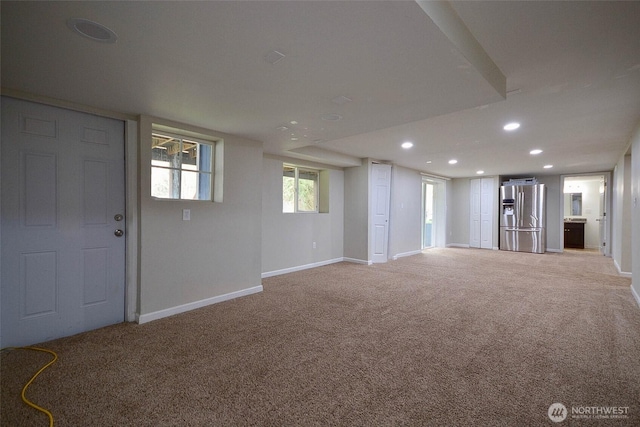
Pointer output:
321, 155
443, 15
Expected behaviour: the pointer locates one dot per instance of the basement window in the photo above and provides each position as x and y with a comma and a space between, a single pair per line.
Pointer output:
181, 167
300, 189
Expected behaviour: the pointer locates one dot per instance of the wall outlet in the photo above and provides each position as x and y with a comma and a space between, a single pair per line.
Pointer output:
186, 214
314, 245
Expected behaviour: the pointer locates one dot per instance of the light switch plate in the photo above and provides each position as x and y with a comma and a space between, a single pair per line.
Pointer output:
186, 214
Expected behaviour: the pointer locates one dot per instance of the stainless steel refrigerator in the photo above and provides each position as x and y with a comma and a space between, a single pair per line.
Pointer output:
523, 218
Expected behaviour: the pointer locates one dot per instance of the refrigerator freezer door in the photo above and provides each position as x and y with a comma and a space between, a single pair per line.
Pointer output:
523, 240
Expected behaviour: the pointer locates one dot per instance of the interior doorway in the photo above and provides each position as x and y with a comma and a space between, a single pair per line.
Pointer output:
433, 213
584, 212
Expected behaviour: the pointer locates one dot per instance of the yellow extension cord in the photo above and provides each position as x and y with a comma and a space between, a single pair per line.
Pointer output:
24, 389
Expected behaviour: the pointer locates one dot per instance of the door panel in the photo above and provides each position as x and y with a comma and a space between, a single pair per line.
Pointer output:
381, 183
475, 215
62, 184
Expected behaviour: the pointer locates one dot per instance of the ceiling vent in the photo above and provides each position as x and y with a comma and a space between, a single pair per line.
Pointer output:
341, 100
273, 57
332, 117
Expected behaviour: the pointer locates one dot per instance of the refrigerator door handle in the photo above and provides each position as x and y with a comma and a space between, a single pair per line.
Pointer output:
520, 207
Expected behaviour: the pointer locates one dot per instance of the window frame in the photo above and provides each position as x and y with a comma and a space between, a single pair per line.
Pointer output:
296, 192
180, 170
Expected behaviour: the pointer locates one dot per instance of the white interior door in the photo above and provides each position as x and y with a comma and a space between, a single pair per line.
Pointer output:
381, 196
482, 213
62, 201
602, 219
475, 219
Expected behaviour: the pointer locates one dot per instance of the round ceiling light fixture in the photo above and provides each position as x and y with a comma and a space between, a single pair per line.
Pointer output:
511, 126
535, 152
547, 166
453, 161
407, 144
92, 30
480, 172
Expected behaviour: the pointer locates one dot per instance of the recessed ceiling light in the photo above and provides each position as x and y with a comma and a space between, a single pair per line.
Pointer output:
294, 138
428, 162
511, 126
332, 117
293, 122
480, 172
453, 161
407, 144
548, 166
536, 151
92, 30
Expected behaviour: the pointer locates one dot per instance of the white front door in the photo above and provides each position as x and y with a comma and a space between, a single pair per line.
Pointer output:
381, 196
63, 199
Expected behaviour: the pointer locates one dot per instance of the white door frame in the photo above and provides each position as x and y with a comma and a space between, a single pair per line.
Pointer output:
607, 206
438, 228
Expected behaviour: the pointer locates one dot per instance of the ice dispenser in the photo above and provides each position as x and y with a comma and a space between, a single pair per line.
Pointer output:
507, 206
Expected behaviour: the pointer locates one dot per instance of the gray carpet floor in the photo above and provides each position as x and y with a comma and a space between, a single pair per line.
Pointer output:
451, 337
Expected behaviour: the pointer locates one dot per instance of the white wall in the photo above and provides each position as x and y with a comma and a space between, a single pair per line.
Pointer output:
621, 215
459, 212
287, 238
217, 252
555, 200
356, 212
635, 211
405, 218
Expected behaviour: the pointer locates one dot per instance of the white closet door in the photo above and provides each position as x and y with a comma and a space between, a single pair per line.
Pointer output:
475, 225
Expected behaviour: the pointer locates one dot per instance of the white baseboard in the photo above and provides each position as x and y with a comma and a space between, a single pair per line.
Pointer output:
458, 245
144, 318
558, 251
301, 267
357, 261
635, 295
495, 248
404, 254
620, 272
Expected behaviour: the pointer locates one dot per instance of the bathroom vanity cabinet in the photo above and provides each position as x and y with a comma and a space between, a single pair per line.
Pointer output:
574, 235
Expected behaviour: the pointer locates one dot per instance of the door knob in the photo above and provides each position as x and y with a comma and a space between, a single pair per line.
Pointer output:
118, 233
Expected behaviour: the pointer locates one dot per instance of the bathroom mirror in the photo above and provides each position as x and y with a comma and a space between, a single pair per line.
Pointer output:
576, 204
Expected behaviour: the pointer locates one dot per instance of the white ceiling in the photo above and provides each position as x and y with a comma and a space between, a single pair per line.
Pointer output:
572, 73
